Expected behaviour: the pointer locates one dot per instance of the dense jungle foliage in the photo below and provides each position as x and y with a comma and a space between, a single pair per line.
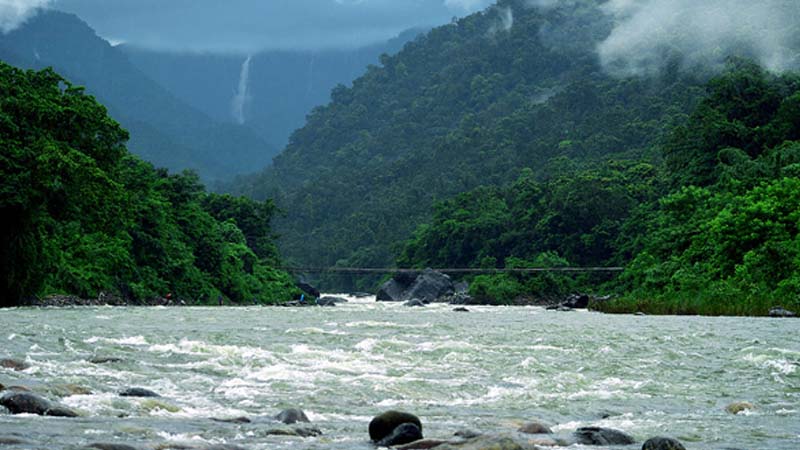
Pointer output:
81, 215
469, 104
712, 230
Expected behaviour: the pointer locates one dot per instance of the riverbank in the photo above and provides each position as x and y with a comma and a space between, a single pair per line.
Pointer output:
697, 305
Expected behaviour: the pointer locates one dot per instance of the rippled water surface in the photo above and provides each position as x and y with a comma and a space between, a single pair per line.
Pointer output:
489, 369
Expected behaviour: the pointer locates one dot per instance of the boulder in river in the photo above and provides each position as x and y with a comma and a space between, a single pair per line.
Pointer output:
467, 434
403, 434
576, 301
662, 443
781, 312
415, 302
535, 428
460, 309
428, 286
27, 403
422, 444
384, 424
738, 407
292, 415
602, 436
138, 392
306, 431
489, 441
308, 289
105, 360
232, 420
14, 364
330, 300
391, 291
103, 446
10, 440
459, 298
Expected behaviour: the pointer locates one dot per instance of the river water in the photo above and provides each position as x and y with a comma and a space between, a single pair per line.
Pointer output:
489, 369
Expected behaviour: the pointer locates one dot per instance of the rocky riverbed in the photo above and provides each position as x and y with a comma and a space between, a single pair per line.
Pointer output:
217, 378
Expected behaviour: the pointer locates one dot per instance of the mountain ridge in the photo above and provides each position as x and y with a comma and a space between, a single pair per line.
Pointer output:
164, 130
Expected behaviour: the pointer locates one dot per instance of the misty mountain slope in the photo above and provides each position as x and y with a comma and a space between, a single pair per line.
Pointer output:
283, 86
163, 129
468, 104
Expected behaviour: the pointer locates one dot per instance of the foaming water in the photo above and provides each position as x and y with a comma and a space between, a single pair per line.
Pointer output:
490, 370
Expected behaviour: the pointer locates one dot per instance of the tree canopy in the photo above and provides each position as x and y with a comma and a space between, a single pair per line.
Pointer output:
81, 215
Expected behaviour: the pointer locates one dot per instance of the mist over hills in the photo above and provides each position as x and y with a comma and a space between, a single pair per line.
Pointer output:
164, 129
283, 86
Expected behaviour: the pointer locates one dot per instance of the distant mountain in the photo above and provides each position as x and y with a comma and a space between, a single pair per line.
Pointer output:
283, 86
164, 129
468, 104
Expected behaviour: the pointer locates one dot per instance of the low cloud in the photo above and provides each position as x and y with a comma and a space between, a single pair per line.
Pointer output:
249, 26
650, 33
14, 13
505, 20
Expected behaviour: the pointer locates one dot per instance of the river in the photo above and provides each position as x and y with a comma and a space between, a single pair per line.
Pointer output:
489, 369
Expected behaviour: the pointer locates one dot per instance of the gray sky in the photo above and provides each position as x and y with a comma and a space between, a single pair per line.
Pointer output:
245, 26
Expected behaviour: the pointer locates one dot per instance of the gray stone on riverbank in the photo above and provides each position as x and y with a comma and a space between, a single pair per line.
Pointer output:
781, 312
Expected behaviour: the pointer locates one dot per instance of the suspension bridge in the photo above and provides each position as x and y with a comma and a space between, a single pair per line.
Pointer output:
450, 270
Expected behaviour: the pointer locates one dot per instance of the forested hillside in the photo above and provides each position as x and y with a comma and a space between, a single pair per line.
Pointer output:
81, 215
283, 86
163, 129
512, 91
715, 229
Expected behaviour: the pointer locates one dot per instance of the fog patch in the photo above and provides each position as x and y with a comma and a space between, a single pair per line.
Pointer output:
648, 34
14, 13
504, 22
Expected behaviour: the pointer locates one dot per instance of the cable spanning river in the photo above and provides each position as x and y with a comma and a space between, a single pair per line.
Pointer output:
487, 370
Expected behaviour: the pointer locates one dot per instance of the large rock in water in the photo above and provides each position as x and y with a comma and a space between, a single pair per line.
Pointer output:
292, 415
662, 443
602, 436
391, 291
138, 392
576, 301
13, 364
490, 442
384, 424
781, 312
429, 286
403, 434
308, 289
27, 403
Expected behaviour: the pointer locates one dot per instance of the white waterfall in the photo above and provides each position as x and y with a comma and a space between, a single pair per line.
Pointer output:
242, 95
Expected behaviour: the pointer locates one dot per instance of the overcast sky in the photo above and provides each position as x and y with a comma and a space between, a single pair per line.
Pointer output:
245, 26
